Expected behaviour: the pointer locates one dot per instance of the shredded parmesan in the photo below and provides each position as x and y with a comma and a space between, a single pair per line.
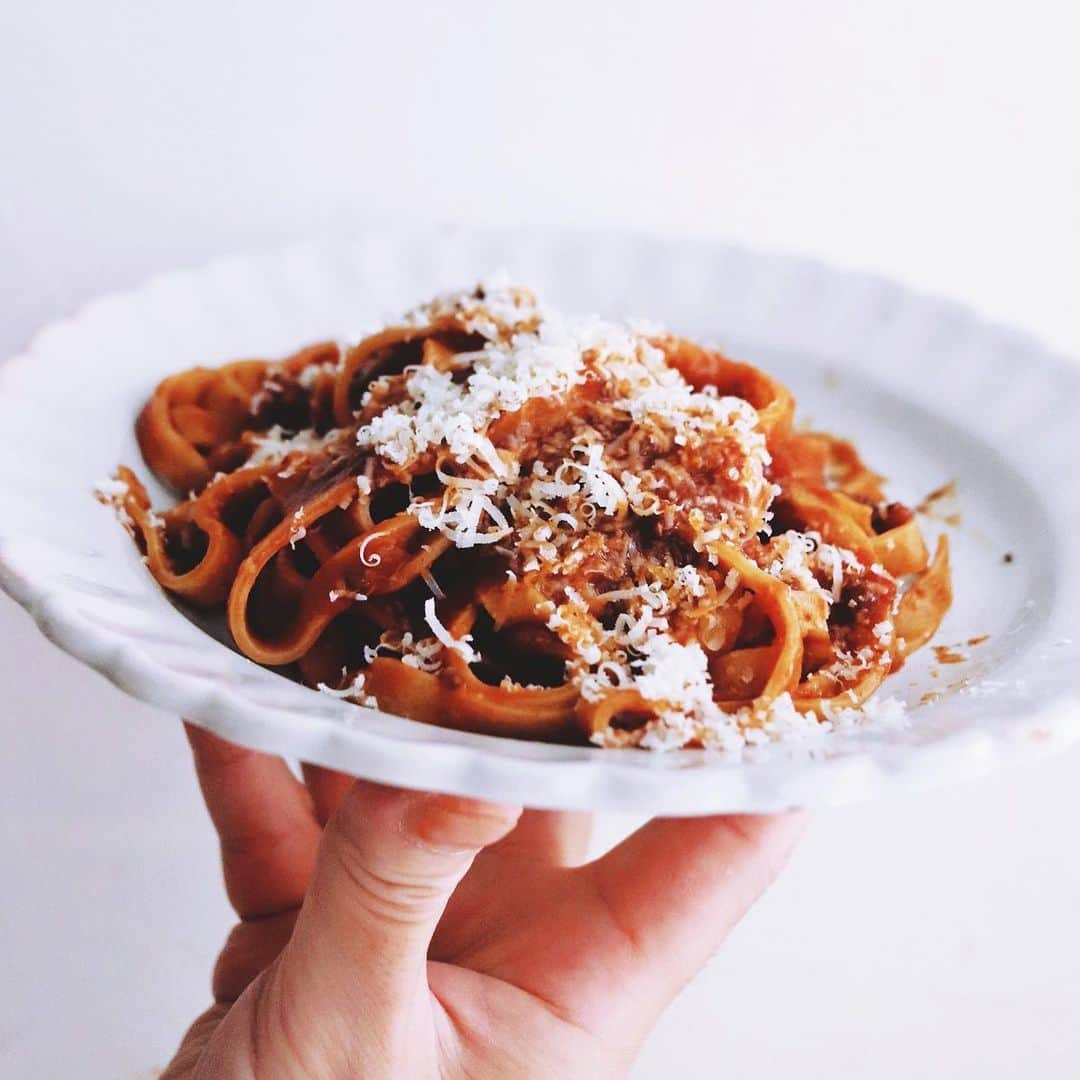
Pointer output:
354, 691
458, 645
609, 493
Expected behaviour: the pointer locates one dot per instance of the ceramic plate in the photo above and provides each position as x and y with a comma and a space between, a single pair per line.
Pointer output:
931, 393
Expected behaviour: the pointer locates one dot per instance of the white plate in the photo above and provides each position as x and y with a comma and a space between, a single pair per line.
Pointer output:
930, 392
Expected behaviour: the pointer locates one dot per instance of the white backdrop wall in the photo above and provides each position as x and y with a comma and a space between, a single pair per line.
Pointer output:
936, 142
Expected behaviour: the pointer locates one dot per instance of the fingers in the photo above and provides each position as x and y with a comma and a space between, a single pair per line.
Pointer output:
542, 837
250, 949
198, 1036
327, 787
669, 894
388, 863
506, 877
265, 822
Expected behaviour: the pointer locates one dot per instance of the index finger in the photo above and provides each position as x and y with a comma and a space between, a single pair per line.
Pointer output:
265, 822
620, 937
672, 892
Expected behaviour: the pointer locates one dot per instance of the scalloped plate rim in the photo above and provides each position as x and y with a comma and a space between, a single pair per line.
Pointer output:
482, 764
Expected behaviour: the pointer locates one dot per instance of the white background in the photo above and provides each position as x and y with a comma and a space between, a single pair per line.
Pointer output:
931, 936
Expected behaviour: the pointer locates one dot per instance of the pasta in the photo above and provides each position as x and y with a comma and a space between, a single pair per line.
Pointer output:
492, 518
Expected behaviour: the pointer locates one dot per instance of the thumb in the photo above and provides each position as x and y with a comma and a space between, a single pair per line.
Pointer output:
387, 865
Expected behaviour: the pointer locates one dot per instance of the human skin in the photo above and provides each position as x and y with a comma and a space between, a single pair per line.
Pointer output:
394, 933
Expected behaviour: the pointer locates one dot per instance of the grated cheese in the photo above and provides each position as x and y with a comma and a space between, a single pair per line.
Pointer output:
354, 691
621, 632
461, 645
276, 444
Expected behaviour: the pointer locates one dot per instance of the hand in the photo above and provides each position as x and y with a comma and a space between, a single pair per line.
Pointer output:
389, 933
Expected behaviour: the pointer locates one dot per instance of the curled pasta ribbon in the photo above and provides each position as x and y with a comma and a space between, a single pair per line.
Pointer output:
370, 564
747, 677
924, 603
192, 550
388, 353
772, 669
437, 698
706, 367
193, 415
616, 709
819, 696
